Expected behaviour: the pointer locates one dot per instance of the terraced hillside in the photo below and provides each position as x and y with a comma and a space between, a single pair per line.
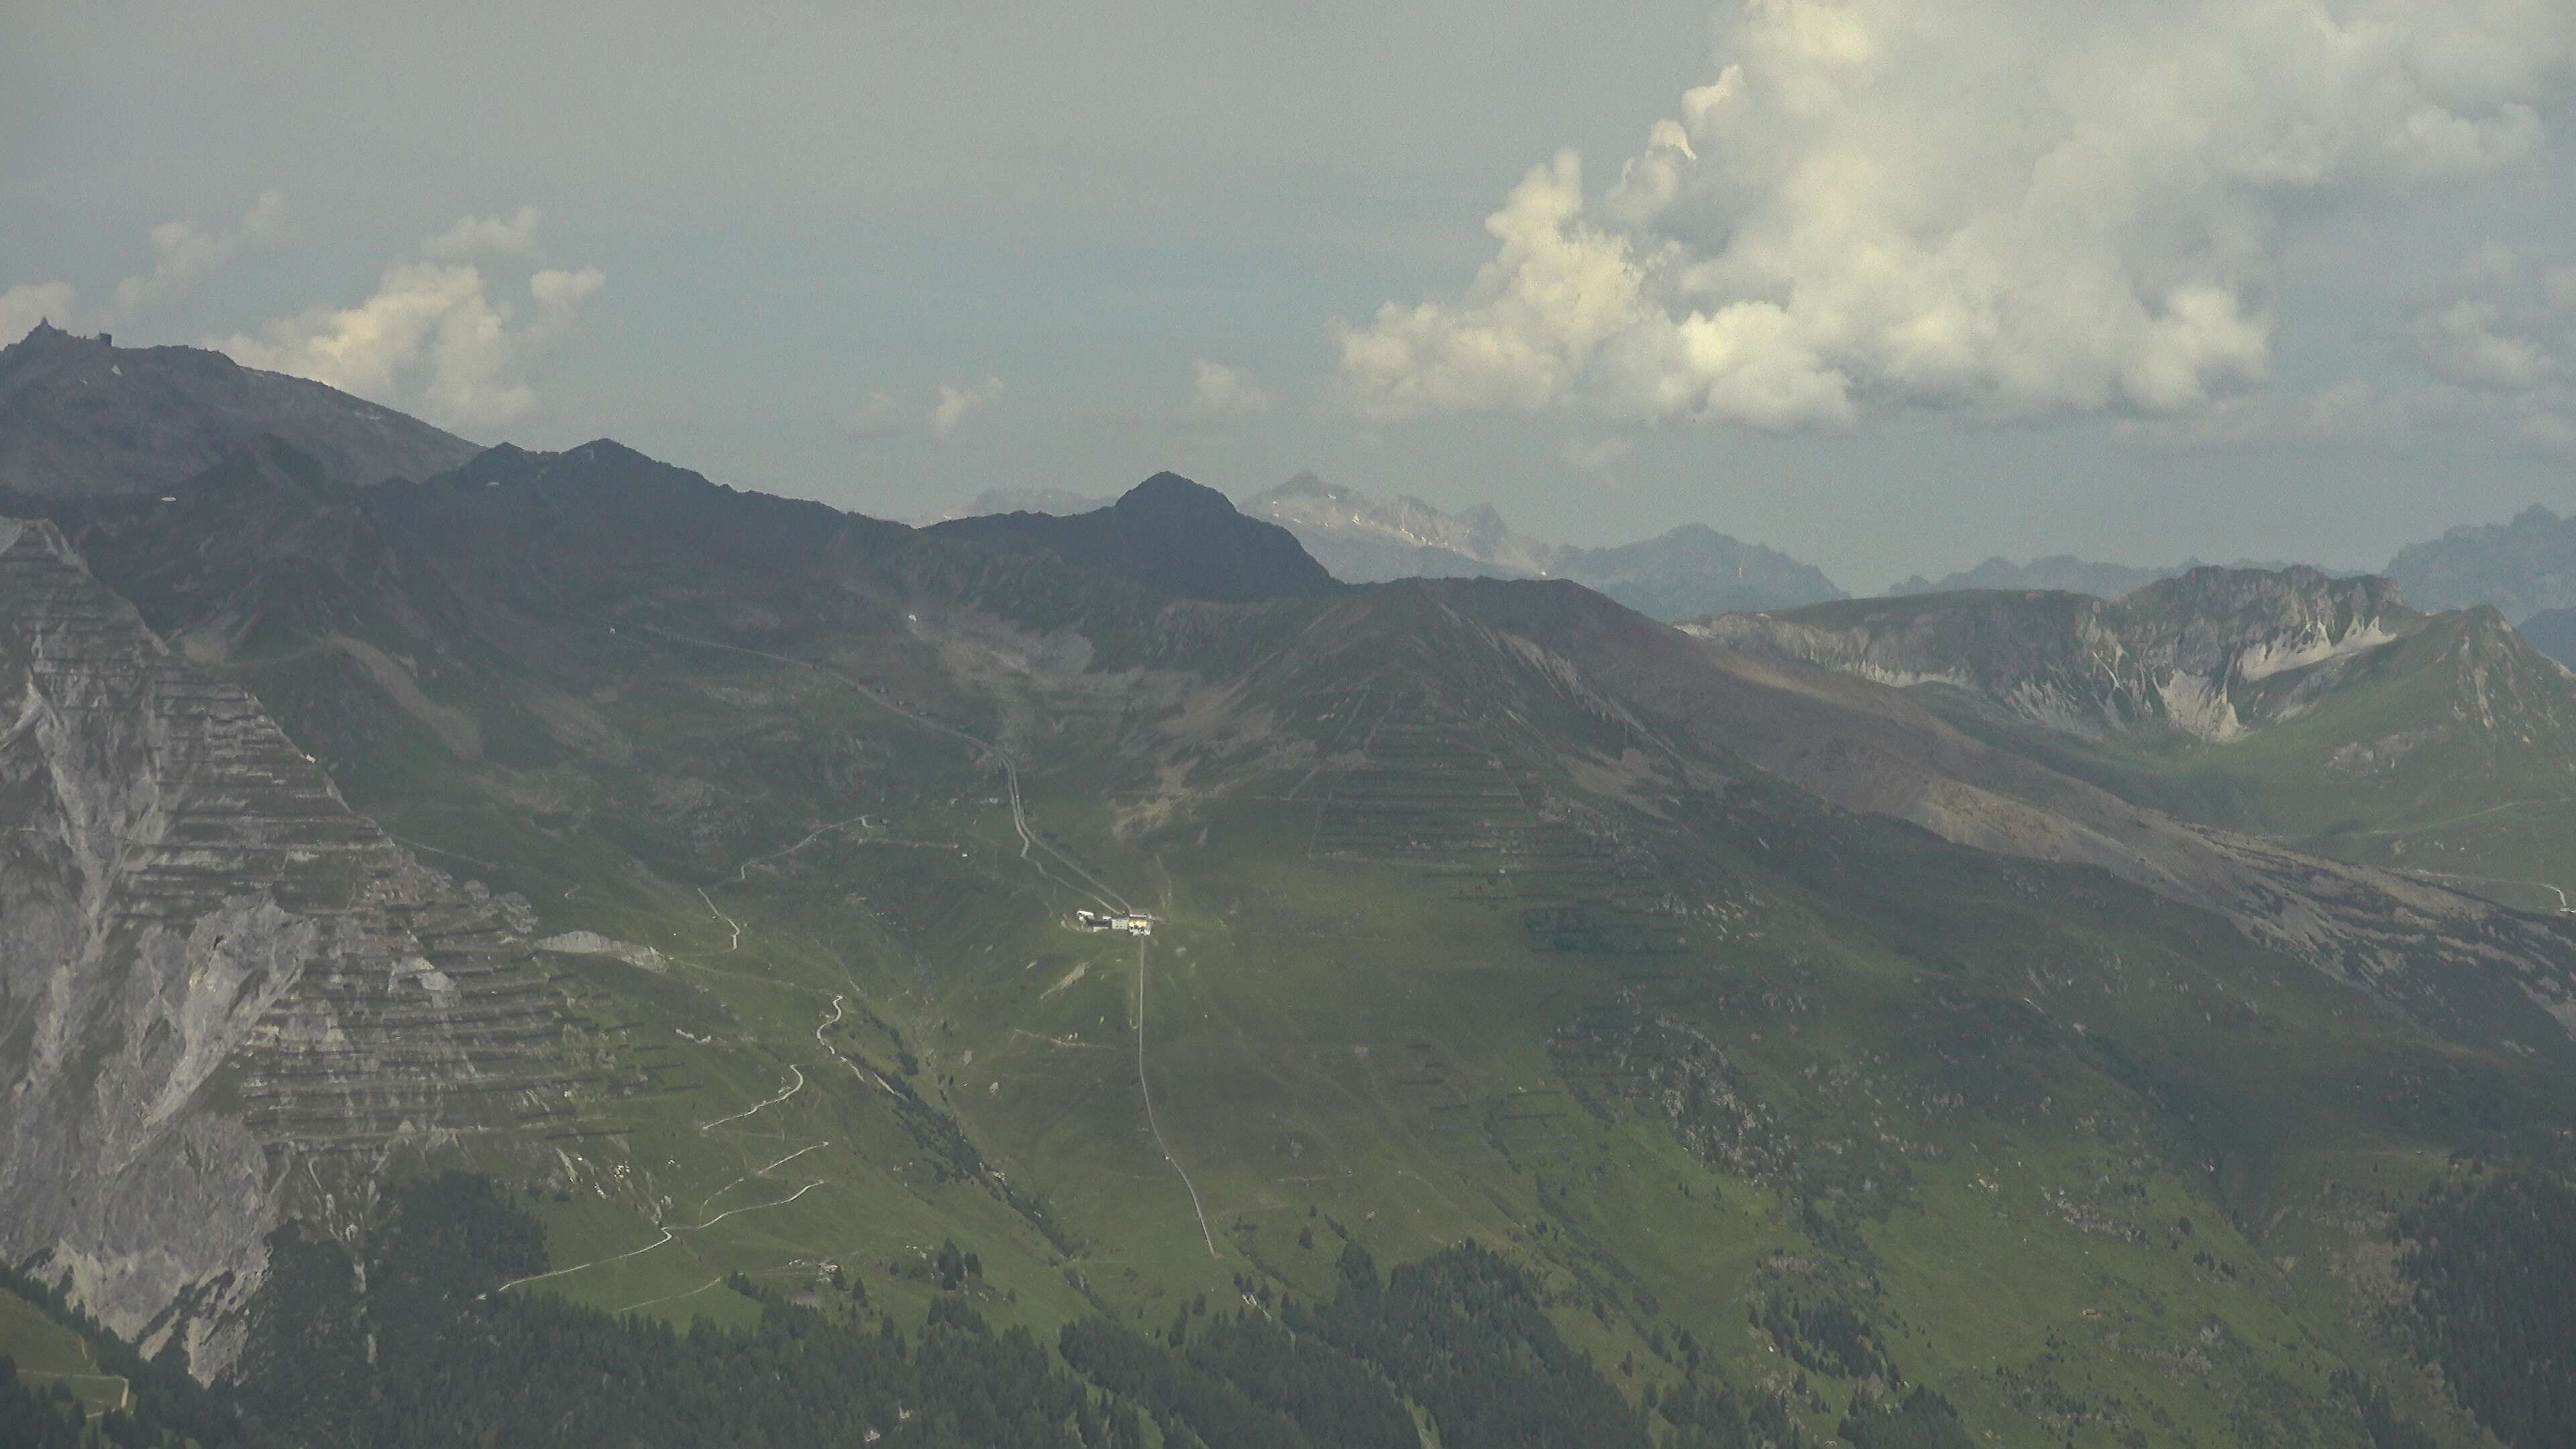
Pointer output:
1483, 910
228, 997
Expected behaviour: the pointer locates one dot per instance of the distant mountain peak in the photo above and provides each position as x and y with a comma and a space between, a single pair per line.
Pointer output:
1688, 572
1167, 534
1172, 493
46, 335
2524, 567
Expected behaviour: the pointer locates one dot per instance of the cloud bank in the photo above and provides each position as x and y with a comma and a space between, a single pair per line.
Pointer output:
183, 254
882, 415
475, 236
2499, 335
1220, 394
1599, 456
25, 305
436, 337
957, 404
2013, 207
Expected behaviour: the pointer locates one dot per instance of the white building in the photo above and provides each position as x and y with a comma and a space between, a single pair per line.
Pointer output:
1134, 923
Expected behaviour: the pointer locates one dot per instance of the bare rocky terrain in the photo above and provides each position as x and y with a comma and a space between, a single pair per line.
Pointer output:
80, 417
227, 998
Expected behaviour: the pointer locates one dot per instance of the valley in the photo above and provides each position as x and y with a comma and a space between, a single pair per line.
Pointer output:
1787, 1030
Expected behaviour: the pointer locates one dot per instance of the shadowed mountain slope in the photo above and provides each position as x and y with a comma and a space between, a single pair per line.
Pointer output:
2552, 632
82, 418
1746, 1012
1168, 534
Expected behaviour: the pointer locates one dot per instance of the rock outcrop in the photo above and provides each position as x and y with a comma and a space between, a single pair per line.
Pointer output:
2211, 654
225, 998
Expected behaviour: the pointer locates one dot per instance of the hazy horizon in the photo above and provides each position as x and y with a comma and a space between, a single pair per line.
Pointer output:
1540, 257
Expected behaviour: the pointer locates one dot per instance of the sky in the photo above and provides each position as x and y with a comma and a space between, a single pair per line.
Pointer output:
1892, 285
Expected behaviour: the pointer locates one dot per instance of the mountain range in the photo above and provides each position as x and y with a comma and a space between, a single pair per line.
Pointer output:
2321, 711
1690, 571
2524, 568
2059, 573
465, 923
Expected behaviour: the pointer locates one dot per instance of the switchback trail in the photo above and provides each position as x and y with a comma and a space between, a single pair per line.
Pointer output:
1145, 1089
667, 1235
1030, 841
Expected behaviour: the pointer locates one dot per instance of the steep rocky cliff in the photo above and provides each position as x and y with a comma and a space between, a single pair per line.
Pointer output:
2523, 567
2211, 654
224, 997
2320, 712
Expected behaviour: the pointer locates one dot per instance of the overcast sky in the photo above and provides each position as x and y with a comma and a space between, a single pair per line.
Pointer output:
1892, 285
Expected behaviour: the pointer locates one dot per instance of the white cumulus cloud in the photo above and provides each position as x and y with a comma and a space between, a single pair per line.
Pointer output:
438, 337
957, 404
478, 236
1222, 394
25, 305
879, 416
2017, 207
2497, 334
1597, 456
2468, 342
184, 254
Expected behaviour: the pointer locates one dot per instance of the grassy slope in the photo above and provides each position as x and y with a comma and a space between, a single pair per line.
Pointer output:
1356, 1039
1689, 1057
2449, 753
47, 1352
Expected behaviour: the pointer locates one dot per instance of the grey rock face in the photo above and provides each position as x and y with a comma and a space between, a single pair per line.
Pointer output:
80, 418
2523, 568
2210, 654
224, 998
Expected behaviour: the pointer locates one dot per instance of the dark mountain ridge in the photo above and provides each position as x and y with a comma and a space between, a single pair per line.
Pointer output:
1170, 535
81, 417
1756, 1012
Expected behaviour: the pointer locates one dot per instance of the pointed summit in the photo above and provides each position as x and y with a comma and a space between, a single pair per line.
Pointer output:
45, 334
1166, 534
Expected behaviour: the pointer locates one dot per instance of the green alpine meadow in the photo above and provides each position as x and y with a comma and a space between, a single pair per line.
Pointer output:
1720, 724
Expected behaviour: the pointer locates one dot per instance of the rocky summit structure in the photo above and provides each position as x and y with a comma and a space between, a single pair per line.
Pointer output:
220, 988
81, 417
